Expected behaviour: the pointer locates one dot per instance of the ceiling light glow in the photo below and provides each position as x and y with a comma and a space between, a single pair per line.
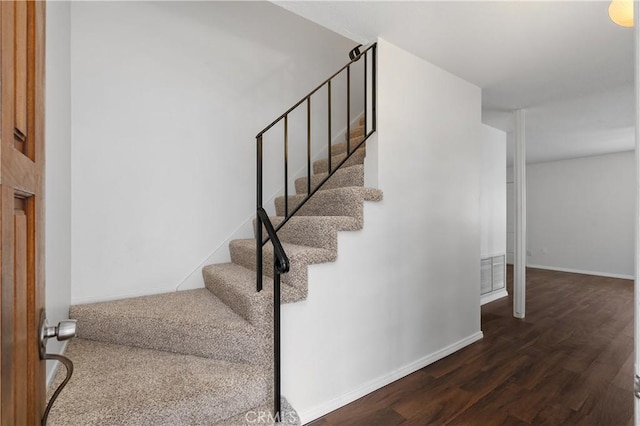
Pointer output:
621, 12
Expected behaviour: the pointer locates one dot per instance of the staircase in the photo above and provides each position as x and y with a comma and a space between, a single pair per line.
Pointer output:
205, 356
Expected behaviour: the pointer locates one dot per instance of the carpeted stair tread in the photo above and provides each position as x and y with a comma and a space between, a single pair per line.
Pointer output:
193, 322
295, 253
236, 286
341, 147
332, 202
124, 385
340, 223
243, 252
313, 231
357, 131
371, 194
263, 415
343, 177
357, 157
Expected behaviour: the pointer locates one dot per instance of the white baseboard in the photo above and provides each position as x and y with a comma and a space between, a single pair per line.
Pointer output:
373, 385
490, 297
580, 271
488, 255
118, 296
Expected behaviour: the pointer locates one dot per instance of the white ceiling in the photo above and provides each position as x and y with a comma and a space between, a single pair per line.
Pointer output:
565, 62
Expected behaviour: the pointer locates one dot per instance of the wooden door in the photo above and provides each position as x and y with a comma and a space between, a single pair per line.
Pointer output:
22, 390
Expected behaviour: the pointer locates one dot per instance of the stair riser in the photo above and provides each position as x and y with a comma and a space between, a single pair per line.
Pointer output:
241, 295
322, 166
341, 148
324, 203
296, 277
345, 177
226, 345
357, 132
254, 307
307, 233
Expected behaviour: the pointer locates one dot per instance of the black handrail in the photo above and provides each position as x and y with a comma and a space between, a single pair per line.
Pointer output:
288, 215
355, 53
280, 260
297, 104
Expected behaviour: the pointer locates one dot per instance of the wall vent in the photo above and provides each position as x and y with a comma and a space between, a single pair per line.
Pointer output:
492, 274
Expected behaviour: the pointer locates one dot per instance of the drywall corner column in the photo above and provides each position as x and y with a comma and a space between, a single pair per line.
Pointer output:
519, 283
636, 341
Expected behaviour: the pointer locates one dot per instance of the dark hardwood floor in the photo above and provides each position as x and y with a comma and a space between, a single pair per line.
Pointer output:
569, 362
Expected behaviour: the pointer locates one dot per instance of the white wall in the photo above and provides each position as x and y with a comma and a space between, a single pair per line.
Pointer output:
493, 197
407, 284
166, 101
57, 167
580, 214
511, 213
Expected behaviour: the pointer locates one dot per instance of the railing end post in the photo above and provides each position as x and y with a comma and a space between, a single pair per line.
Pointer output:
258, 208
258, 252
277, 408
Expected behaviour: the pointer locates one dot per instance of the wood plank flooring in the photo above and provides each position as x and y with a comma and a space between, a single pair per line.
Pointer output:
570, 362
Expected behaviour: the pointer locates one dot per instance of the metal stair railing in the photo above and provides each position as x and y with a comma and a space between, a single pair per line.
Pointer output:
280, 261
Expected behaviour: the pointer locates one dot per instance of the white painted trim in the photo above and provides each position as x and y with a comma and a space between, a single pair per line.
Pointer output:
490, 255
581, 271
520, 249
52, 373
127, 295
490, 297
373, 385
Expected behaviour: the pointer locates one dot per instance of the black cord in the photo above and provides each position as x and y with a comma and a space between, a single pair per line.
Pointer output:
69, 366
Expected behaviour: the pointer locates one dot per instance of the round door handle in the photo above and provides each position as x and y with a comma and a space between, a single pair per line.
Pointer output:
65, 330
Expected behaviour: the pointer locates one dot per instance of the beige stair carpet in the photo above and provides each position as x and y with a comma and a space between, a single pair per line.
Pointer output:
204, 357
193, 322
123, 385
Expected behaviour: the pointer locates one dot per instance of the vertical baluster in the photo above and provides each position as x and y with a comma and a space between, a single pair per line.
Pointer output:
348, 109
329, 124
374, 88
276, 341
258, 219
365, 92
286, 166
308, 145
